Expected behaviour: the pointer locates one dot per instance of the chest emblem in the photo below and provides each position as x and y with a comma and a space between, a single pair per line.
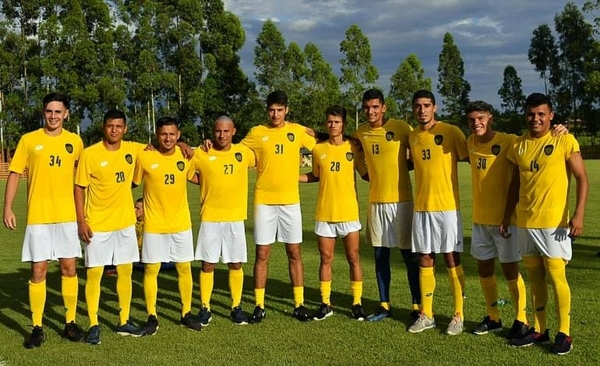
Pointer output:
438, 139
389, 135
238, 157
129, 159
496, 150
69, 148
291, 137
548, 149
180, 165
349, 156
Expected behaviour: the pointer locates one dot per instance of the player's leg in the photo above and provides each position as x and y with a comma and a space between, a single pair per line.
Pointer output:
352, 249
380, 227
207, 282
181, 253
37, 292
326, 250
236, 286
265, 231
403, 227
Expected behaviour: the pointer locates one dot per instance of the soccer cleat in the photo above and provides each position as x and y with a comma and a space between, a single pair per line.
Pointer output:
238, 316
379, 314
204, 316
73, 332
358, 313
563, 344
151, 326
36, 338
488, 325
324, 312
531, 338
414, 315
423, 323
190, 321
301, 313
257, 315
518, 330
131, 330
456, 326
93, 336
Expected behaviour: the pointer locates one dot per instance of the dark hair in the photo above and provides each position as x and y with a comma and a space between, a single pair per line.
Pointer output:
166, 121
336, 110
277, 97
373, 94
114, 114
423, 94
141, 199
56, 97
479, 106
536, 100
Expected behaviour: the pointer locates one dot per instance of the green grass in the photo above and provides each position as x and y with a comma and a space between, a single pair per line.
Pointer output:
280, 339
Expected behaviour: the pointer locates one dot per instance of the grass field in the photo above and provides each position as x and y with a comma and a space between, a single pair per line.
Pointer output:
280, 339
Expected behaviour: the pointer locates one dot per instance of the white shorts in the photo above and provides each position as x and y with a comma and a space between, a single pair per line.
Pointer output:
225, 240
44, 242
487, 243
112, 247
175, 247
437, 232
390, 224
551, 243
282, 223
336, 229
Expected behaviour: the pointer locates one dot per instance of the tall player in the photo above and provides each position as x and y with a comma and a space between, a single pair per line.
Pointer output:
106, 219
337, 210
436, 148
491, 174
385, 146
544, 229
223, 179
167, 223
49, 155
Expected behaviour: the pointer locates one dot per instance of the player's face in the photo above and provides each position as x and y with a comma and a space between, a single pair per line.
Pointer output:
335, 125
223, 131
167, 138
55, 114
374, 110
539, 119
480, 122
114, 130
424, 111
139, 211
277, 113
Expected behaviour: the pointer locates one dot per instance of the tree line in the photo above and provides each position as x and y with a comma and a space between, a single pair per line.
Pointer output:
181, 58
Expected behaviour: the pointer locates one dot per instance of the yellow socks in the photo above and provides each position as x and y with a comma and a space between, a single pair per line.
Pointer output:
326, 292
92, 292
457, 291
519, 298
298, 296
427, 283
186, 285
259, 296
70, 289
236, 286
539, 291
556, 269
124, 289
207, 282
37, 301
151, 286
490, 294
357, 288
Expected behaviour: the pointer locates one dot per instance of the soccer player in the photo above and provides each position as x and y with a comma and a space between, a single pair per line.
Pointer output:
167, 222
491, 174
385, 148
277, 214
436, 148
544, 229
49, 155
106, 219
223, 179
337, 210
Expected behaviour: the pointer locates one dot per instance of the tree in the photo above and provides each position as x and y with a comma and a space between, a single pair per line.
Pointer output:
511, 91
452, 85
270, 59
358, 73
408, 78
543, 54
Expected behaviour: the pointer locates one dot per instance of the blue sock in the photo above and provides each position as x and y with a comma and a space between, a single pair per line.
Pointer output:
411, 260
382, 271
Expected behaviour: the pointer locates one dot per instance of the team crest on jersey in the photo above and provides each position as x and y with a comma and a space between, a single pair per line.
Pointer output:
438, 139
238, 157
389, 135
180, 165
496, 150
548, 149
349, 156
69, 148
129, 158
291, 137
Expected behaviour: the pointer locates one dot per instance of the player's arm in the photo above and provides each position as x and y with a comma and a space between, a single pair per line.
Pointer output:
308, 178
511, 202
12, 184
83, 229
559, 129
360, 162
186, 150
195, 179
578, 169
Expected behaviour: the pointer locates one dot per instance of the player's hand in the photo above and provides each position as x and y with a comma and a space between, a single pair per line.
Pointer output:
559, 130
575, 226
186, 150
149, 147
10, 221
206, 145
505, 231
310, 132
84, 231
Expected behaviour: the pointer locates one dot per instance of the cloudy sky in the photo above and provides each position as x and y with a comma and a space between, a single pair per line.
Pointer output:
489, 34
